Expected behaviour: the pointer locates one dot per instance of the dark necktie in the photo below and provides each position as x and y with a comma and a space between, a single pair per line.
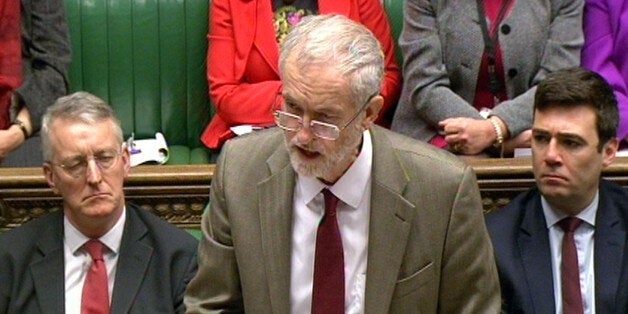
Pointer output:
569, 270
95, 299
328, 291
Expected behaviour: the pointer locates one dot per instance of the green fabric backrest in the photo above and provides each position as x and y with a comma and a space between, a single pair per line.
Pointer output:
394, 10
146, 58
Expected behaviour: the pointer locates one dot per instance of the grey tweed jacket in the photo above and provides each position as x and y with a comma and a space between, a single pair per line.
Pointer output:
442, 46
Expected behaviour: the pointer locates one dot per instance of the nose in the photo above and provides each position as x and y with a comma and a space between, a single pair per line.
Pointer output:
305, 135
552, 153
94, 174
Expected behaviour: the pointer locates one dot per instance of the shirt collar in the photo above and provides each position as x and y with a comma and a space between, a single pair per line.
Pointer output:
552, 216
351, 185
75, 239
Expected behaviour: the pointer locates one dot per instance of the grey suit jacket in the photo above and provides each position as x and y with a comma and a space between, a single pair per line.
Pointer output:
520, 237
428, 249
442, 46
156, 262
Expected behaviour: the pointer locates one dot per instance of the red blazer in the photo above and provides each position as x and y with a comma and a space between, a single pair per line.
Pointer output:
243, 59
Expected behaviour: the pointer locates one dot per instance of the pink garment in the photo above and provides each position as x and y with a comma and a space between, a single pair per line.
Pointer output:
10, 56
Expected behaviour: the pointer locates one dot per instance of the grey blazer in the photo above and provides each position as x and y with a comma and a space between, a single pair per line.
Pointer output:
442, 46
428, 249
156, 262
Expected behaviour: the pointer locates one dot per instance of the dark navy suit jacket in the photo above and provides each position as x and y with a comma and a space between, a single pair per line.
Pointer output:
156, 262
521, 243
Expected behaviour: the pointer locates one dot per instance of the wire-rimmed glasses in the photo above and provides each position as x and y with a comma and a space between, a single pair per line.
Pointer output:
76, 167
294, 123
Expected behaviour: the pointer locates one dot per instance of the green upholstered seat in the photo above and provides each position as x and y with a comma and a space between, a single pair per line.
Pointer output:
146, 58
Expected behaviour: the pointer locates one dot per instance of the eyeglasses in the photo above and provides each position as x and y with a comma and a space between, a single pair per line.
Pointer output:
77, 167
294, 123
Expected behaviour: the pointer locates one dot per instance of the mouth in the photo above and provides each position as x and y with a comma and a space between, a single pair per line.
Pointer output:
551, 178
306, 153
97, 196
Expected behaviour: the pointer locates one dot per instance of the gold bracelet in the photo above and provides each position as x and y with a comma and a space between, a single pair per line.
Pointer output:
498, 131
22, 127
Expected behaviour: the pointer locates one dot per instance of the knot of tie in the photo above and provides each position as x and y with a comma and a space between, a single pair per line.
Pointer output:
95, 249
570, 224
331, 202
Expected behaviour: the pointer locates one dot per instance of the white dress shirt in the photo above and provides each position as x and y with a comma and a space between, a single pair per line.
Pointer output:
354, 191
583, 237
78, 260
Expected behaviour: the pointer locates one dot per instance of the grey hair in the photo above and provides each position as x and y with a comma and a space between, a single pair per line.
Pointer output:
348, 46
78, 107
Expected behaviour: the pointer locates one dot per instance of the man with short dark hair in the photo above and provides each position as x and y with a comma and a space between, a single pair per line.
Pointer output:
561, 247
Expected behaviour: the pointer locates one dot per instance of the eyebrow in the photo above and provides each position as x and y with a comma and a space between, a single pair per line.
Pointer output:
559, 135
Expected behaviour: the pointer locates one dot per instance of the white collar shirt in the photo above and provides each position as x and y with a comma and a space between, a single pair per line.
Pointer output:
78, 261
354, 191
584, 239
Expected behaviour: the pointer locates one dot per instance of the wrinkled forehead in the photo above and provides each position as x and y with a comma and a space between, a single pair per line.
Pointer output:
315, 81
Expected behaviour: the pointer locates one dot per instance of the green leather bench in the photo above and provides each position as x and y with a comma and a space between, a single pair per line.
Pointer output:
147, 60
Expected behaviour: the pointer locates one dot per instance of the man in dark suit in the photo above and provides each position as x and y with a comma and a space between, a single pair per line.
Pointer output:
408, 233
48, 265
573, 140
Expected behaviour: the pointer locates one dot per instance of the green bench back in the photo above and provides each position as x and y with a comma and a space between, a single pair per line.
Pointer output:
146, 58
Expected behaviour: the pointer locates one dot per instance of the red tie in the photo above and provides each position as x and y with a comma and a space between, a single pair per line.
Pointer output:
570, 274
95, 298
328, 293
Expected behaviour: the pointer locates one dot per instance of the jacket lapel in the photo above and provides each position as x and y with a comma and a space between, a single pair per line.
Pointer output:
133, 260
610, 238
536, 257
47, 270
275, 196
389, 225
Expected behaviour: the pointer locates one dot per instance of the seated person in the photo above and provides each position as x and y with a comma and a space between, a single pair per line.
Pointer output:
605, 51
471, 67
243, 55
331, 214
97, 254
45, 60
562, 246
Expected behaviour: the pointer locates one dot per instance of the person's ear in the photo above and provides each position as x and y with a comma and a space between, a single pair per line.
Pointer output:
126, 159
609, 151
50, 177
372, 111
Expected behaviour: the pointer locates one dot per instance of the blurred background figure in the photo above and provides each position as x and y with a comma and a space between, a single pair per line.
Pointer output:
606, 51
41, 74
243, 55
470, 68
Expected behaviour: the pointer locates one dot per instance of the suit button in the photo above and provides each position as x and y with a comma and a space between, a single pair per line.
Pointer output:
512, 73
505, 29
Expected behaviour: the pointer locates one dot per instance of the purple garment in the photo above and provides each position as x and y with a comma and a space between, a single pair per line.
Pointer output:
606, 49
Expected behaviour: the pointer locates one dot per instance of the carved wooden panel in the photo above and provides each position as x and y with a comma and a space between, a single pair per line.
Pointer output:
179, 194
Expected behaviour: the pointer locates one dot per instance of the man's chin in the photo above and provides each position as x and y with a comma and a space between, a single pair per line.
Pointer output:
554, 192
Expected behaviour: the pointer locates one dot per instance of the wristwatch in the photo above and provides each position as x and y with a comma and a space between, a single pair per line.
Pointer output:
499, 134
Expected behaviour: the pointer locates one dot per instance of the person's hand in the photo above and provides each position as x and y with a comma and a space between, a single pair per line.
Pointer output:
468, 136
